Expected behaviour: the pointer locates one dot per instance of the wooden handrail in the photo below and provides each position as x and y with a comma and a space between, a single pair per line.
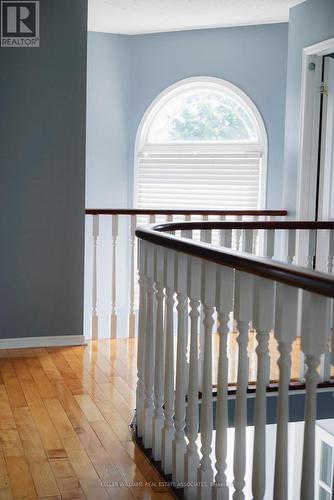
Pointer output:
180, 211
180, 226
295, 276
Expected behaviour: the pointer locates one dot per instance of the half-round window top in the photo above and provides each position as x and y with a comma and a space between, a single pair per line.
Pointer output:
202, 114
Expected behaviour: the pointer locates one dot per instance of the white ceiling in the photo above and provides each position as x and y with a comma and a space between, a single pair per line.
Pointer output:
148, 16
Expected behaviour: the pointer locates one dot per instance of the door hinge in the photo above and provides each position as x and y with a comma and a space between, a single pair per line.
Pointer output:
324, 88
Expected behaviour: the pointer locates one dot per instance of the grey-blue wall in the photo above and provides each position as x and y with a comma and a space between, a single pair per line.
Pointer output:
42, 157
108, 70
310, 22
253, 58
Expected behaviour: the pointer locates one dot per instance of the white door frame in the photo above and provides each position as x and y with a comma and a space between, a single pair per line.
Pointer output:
309, 128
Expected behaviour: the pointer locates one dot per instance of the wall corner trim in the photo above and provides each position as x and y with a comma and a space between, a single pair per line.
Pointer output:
55, 341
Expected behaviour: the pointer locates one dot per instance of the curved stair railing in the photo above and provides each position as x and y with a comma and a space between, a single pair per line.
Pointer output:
188, 288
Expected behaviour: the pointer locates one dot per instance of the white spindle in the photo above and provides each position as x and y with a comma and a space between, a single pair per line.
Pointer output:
226, 238
247, 240
224, 304
149, 348
243, 310
205, 471
311, 248
330, 252
179, 444
331, 324
255, 236
238, 233
314, 328
326, 359
113, 317
132, 317
205, 234
168, 428
186, 233
286, 308
152, 218
291, 245
158, 418
191, 457
140, 392
263, 321
95, 318
269, 243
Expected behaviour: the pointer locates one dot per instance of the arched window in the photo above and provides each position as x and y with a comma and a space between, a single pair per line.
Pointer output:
201, 144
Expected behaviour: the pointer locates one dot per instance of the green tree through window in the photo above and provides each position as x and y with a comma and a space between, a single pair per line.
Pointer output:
209, 117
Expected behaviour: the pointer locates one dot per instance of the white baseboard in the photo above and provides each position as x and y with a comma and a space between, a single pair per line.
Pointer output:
55, 341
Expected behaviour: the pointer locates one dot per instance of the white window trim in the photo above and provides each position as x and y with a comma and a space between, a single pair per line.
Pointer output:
218, 84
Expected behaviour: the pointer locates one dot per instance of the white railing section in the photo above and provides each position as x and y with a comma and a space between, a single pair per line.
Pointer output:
184, 283
112, 267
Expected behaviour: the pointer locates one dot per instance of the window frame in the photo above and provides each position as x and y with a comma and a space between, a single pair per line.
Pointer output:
219, 85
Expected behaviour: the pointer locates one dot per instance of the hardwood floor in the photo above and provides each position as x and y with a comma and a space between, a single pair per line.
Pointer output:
64, 415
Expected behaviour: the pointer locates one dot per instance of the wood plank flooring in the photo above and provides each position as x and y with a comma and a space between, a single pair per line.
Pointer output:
64, 415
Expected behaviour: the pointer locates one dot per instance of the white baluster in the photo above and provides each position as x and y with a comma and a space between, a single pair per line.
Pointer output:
263, 321
269, 243
255, 236
186, 233
224, 304
113, 318
311, 248
331, 324
238, 233
179, 444
330, 252
247, 240
205, 471
205, 236
243, 310
132, 318
226, 238
326, 359
191, 457
152, 218
286, 312
291, 245
314, 328
158, 418
222, 218
168, 428
95, 318
149, 347
140, 392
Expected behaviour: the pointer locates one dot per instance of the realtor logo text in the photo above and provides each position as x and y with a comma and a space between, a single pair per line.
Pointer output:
19, 23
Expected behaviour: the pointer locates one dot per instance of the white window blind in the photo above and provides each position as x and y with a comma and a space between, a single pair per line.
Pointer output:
207, 180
